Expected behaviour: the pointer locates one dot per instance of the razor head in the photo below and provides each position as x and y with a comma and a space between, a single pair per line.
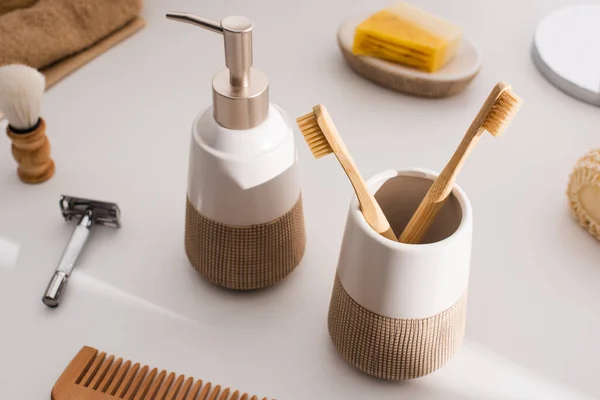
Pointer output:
103, 213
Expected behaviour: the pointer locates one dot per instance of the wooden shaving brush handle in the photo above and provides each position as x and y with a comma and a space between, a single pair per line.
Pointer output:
32, 152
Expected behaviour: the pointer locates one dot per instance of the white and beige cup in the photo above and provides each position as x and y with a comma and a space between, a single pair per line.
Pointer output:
398, 311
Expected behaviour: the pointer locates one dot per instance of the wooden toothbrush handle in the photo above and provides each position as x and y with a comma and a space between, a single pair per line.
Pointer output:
442, 187
439, 191
389, 234
420, 222
368, 204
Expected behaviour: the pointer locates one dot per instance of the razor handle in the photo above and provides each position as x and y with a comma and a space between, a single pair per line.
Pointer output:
67, 260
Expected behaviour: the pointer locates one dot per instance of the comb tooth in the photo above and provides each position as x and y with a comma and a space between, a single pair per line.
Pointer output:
101, 372
135, 384
194, 392
204, 391
140, 393
123, 380
86, 368
110, 375
93, 369
164, 388
175, 388
122, 389
224, 395
185, 389
116, 382
154, 388
215, 392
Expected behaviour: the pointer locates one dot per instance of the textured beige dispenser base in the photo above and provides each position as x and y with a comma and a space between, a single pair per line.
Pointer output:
246, 257
391, 348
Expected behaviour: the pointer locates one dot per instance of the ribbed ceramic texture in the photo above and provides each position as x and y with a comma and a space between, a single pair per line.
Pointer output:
391, 348
406, 84
249, 257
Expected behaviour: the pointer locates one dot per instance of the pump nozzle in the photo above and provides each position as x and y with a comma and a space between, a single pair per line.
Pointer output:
237, 32
240, 92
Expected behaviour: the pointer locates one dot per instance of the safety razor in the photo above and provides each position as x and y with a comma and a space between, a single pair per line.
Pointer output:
88, 212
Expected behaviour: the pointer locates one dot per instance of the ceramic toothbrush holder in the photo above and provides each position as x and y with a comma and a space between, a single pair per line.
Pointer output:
398, 311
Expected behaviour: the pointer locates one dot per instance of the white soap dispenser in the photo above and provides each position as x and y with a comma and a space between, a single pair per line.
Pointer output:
244, 224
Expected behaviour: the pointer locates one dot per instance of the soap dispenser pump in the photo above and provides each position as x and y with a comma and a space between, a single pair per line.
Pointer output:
244, 222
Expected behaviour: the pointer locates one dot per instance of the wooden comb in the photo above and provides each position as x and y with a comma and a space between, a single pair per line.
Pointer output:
92, 375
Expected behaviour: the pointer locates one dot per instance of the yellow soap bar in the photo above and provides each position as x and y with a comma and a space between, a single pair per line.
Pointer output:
407, 35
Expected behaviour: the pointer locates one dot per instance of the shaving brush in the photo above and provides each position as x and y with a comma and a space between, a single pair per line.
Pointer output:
21, 91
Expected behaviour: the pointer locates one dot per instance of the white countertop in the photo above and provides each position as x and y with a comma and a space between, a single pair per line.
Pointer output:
120, 131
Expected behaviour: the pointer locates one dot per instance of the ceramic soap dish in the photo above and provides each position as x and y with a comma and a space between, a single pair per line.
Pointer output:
450, 80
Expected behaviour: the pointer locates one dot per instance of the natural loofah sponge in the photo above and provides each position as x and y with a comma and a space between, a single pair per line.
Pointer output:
584, 192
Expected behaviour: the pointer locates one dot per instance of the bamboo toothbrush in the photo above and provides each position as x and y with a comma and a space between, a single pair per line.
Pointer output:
323, 139
494, 116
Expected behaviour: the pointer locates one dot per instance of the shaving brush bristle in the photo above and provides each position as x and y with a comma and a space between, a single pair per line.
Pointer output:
21, 91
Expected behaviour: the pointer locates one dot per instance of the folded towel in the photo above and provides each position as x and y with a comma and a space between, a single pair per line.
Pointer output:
52, 30
24, 34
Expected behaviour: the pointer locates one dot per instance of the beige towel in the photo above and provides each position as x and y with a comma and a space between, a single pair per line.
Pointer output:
58, 44
11, 5
51, 30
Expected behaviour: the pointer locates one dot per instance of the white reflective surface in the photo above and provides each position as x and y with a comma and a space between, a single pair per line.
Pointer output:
9, 251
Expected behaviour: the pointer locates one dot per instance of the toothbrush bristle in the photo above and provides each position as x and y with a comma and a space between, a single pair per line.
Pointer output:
502, 113
313, 135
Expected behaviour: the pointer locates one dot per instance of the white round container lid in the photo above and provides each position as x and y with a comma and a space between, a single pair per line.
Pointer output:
566, 50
